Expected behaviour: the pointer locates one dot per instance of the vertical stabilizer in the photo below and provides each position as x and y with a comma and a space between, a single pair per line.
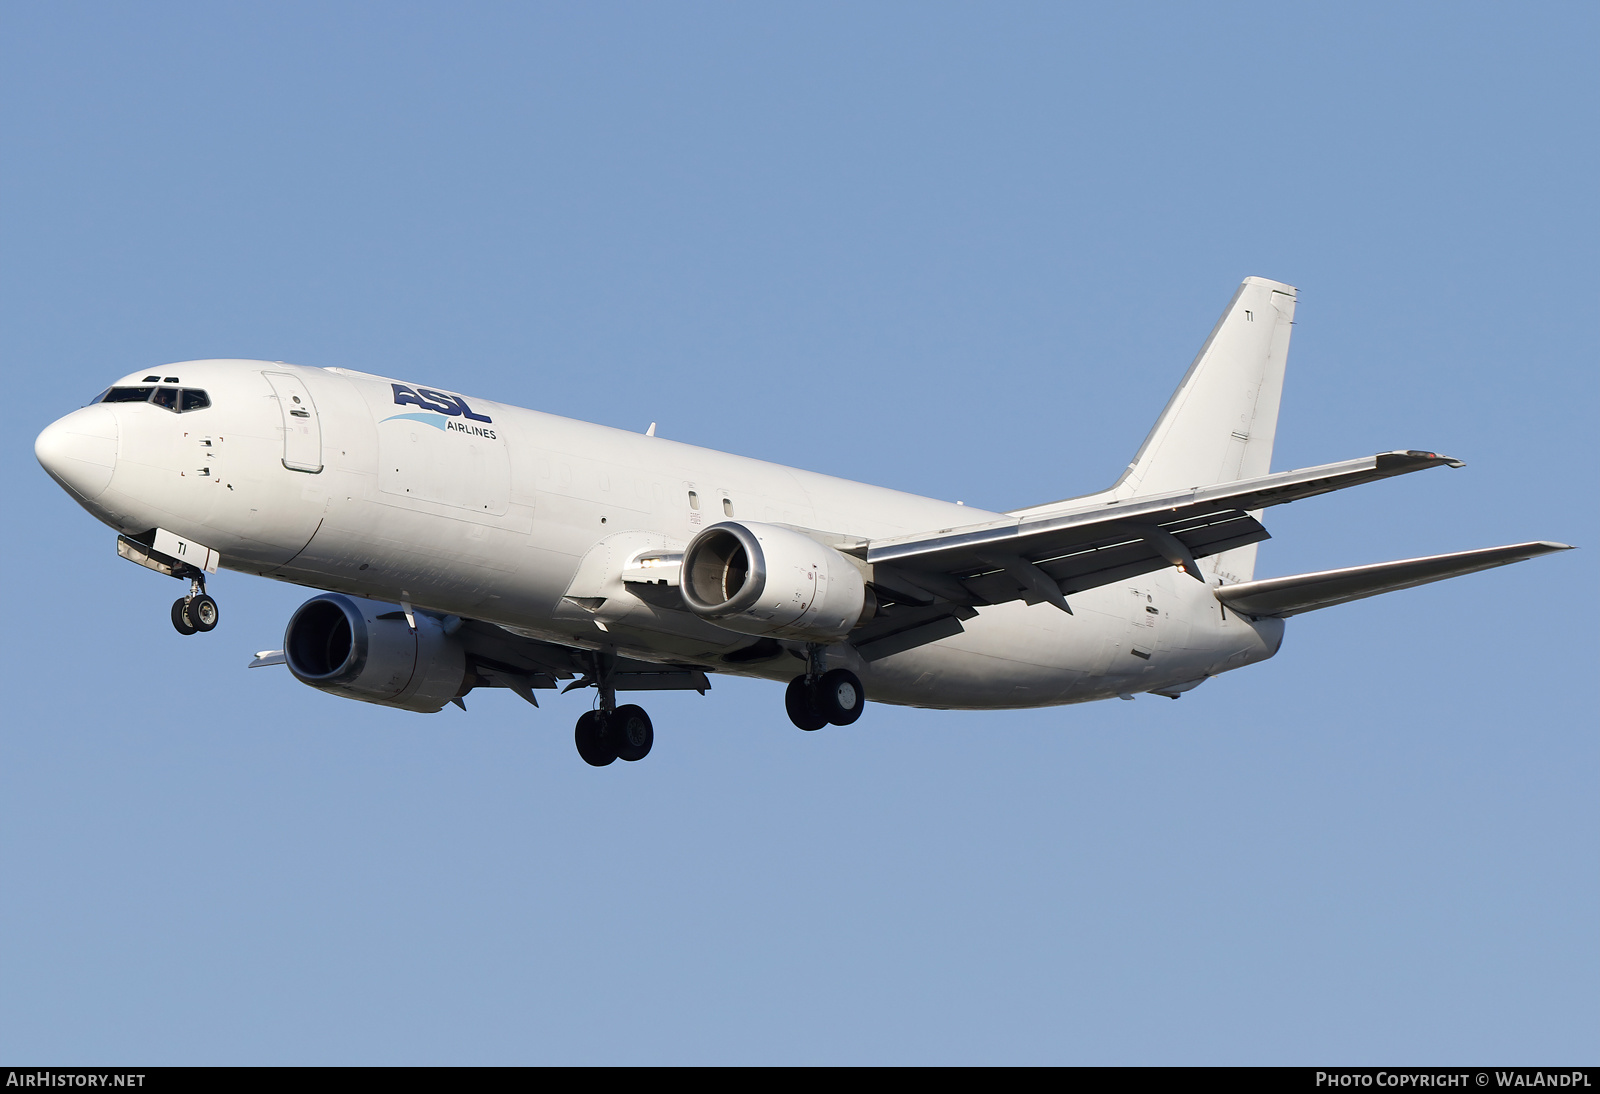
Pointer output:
1218, 426
1220, 423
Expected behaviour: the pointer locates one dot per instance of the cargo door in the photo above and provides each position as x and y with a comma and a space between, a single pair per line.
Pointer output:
302, 429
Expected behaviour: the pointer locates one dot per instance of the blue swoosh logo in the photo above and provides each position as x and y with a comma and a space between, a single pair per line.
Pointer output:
435, 420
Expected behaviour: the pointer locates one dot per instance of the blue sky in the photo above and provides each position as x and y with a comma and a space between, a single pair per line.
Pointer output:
957, 249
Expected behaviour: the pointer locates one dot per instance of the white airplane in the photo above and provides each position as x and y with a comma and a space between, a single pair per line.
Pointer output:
466, 543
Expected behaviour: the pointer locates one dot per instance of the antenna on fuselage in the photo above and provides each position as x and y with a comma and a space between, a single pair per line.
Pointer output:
651, 432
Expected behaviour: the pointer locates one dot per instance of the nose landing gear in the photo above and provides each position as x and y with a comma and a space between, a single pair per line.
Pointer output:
195, 612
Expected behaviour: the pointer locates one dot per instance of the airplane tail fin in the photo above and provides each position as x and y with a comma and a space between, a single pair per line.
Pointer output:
1219, 425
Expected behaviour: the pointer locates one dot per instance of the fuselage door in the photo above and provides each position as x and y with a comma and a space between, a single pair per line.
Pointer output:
302, 429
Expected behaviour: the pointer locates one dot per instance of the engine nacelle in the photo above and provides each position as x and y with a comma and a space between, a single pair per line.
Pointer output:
363, 649
765, 580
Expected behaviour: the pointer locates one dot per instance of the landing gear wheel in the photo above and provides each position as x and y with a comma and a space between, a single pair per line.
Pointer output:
595, 745
201, 613
838, 696
180, 617
801, 704
629, 726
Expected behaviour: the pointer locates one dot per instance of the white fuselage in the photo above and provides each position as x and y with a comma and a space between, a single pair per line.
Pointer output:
524, 519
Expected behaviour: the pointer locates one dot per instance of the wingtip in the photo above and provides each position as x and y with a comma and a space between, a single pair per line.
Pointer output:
1436, 457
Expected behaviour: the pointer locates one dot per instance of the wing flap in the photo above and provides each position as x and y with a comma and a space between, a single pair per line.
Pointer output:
1286, 596
1131, 553
903, 628
947, 626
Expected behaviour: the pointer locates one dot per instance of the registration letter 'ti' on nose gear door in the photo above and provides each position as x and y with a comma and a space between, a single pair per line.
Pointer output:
302, 429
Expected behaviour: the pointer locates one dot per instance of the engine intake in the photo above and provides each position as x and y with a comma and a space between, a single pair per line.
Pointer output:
364, 649
766, 580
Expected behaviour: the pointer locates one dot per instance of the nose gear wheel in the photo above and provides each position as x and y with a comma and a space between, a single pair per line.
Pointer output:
180, 616
197, 612
202, 613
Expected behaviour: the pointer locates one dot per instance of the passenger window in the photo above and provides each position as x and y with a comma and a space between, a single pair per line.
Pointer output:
166, 397
127, 395
194, 400
694, 500
727, 507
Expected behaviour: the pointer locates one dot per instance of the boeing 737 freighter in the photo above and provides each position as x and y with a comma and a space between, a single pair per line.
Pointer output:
464, 543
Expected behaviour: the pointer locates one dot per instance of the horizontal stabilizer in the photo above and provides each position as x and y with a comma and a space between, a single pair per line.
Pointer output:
1286, 596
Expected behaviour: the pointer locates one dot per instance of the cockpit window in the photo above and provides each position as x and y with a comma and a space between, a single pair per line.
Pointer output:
177, 400
127, 395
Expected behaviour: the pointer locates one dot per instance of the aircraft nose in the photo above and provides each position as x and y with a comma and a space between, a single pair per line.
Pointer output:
80, 450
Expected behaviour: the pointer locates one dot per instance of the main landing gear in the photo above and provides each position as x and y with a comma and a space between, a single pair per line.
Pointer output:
611, 732
195, 612
624, 733
817, 699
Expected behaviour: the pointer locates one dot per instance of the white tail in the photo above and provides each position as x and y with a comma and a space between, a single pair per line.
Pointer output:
1218, 426
1220, 423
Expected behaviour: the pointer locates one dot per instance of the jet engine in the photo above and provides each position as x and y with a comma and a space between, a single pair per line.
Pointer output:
366, 650
766, 580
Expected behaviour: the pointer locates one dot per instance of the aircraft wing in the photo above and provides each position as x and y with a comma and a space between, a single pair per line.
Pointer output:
1286, 596
502, 658
1049, 553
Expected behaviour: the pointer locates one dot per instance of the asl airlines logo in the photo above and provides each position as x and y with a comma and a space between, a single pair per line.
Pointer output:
444, 411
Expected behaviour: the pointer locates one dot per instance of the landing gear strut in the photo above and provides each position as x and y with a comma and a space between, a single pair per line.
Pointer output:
817, 698
197, 611
610, 732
